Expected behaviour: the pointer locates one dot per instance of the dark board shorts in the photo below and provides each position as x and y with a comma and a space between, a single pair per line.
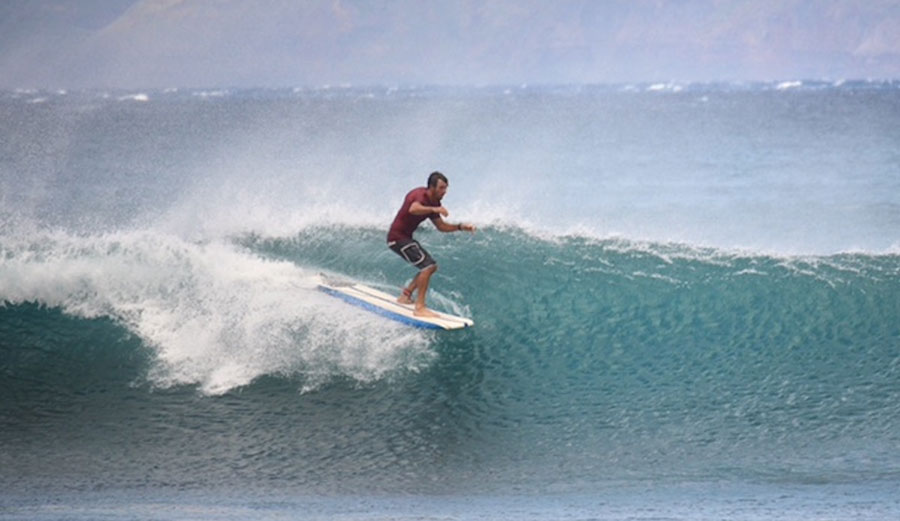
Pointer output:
412, 252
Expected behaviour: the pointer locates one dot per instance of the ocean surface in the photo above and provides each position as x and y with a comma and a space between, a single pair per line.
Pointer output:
686, 302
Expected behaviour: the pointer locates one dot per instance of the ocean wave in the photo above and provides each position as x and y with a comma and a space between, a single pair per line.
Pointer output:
602, 359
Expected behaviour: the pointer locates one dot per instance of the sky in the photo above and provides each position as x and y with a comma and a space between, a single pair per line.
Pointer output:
63, 44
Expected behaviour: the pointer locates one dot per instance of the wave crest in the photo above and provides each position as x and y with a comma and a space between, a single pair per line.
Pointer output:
215, 315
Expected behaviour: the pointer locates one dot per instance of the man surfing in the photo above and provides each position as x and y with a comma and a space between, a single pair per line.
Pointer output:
420, 204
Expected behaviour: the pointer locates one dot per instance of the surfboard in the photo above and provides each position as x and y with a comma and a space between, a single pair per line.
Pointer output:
386, 305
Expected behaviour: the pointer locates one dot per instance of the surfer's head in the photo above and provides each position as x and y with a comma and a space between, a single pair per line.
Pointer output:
435, 177
437, 186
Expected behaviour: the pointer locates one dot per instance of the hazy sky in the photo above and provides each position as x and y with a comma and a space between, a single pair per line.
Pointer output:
244, 43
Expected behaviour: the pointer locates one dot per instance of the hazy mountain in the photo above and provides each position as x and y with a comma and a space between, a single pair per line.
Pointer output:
160, 43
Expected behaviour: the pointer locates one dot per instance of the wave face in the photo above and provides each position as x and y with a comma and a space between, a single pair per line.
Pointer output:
590, 361
160, 326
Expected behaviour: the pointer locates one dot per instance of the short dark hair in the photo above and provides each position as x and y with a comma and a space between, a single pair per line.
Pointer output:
435, 177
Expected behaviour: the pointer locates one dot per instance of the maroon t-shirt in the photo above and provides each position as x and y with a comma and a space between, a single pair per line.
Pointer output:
406, 223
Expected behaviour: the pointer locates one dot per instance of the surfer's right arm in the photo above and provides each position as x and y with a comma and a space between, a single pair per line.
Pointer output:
443, 226
417, 208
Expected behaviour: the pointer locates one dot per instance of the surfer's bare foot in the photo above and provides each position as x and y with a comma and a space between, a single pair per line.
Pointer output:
425, 312
406, 297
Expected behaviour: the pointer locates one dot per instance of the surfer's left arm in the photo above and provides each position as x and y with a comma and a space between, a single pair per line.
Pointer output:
444, 226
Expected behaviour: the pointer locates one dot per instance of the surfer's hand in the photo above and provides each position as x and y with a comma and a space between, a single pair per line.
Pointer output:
466, 227
443, 211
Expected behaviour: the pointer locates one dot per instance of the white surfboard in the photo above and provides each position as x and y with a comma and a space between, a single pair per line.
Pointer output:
387, 305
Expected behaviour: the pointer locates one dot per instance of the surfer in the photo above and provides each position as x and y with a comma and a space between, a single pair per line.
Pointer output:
420, 204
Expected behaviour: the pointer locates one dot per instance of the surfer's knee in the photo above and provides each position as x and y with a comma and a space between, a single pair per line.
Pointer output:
429, 270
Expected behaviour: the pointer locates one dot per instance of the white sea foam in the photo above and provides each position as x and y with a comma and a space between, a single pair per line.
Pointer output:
663, 87
785, 85
210, 93
215, 316
135, 97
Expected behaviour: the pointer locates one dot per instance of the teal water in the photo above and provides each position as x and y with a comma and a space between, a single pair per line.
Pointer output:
163, 349
591, 362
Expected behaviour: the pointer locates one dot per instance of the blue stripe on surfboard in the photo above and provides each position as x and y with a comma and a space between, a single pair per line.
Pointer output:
379, 310
367, 291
